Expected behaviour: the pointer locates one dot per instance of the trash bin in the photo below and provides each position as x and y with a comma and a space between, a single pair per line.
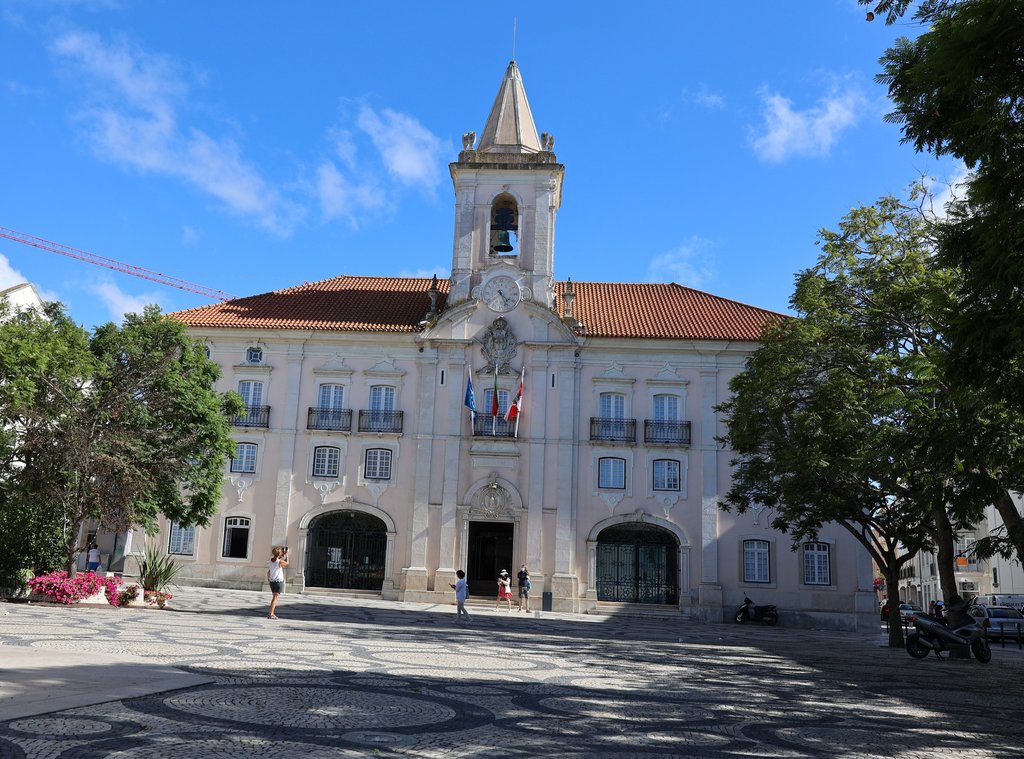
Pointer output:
545, 603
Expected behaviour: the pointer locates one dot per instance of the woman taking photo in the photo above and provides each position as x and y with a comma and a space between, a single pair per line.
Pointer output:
275, 576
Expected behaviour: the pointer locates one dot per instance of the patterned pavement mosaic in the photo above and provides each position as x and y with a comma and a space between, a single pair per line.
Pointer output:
337, 677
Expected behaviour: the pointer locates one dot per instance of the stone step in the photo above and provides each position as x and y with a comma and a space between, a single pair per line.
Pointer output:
649, 611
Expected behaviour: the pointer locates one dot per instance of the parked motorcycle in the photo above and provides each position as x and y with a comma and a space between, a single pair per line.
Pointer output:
931, 633
765, 614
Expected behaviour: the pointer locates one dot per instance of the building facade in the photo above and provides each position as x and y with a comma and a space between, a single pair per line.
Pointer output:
361, 452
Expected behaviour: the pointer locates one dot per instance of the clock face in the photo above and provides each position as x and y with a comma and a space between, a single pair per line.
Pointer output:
501, 294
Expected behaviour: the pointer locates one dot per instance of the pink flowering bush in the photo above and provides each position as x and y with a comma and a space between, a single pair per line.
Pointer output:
69, 590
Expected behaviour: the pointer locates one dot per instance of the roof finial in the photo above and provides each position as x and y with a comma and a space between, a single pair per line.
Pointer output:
513, 38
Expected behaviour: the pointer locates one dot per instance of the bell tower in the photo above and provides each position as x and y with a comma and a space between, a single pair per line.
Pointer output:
508, 189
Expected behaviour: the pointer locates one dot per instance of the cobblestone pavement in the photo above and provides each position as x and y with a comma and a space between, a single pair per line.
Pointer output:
348, 677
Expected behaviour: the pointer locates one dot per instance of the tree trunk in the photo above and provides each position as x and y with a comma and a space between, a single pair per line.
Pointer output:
947, 577
1014, 523
891, 570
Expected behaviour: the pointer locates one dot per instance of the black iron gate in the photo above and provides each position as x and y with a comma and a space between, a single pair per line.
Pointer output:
637, 565
347, 549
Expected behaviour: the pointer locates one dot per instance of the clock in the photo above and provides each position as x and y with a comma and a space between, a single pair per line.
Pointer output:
502, 293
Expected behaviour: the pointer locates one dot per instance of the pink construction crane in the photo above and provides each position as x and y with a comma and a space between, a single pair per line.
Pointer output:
110, 263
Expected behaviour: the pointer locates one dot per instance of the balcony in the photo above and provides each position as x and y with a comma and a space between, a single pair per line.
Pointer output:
380, 421
337, 419
658, 432
617, 430
491, 426
254, 416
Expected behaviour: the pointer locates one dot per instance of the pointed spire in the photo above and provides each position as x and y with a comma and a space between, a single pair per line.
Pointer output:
510, 127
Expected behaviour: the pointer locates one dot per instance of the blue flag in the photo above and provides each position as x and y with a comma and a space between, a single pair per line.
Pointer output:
471, 399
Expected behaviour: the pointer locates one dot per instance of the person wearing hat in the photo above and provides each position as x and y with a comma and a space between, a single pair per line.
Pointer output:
504, 590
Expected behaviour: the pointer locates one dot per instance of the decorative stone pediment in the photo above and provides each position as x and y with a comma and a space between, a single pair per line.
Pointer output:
334, 366
384, 368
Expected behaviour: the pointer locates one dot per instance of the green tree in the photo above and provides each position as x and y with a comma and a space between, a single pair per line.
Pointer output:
121, 426
841, 413
958, 89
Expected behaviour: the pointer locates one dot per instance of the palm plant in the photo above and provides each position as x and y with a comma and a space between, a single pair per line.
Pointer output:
156, 570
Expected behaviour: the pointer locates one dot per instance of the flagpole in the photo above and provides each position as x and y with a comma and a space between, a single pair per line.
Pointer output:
519, 400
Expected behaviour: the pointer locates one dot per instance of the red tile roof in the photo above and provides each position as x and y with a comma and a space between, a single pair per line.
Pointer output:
397, 304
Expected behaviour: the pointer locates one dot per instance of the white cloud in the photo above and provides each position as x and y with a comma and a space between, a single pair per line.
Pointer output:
132, 119
442, 273
953, 187
707, 99
689, 264
410, 151
9, 276
118, 302
812, 132
341, 198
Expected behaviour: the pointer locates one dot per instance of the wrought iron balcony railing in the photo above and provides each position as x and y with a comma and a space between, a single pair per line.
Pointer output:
339, 419
380, 421
254, 416
493, 426
666, 433
621, 430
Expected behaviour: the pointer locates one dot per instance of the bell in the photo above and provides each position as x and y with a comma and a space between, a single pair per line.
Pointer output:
500, 241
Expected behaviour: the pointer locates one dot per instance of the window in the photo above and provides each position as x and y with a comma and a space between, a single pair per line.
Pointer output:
755, 561
666, 474
251, 392
331, 397
611, 473
182, 541
378, 464
613, 406
236, 538
244, 460
488, 407
382, 398
666, 408
254, 356
816, 564
325, 461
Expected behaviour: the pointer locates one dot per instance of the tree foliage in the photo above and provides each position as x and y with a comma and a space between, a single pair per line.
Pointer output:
843, 415
958, 90
121, 425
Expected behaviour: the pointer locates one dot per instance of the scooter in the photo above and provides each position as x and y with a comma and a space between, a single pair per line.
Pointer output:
932, 634
765, 614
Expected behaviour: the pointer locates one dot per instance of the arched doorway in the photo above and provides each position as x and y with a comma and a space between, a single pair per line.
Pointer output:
637, 563
346, 549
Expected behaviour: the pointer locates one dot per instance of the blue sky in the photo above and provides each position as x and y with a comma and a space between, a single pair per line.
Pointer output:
250, 146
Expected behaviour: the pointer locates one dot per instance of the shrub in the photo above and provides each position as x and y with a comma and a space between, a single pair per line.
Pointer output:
157, 597
69, 590
156, 569
126, 596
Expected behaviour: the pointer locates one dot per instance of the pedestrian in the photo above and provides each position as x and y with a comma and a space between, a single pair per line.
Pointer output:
523, 577
93, 561
461, 588
504, 590
275, 576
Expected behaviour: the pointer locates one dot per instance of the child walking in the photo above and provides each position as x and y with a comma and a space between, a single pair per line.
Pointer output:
461, 589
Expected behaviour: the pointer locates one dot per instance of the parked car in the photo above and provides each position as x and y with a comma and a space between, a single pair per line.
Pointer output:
1002, 621
909, 612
